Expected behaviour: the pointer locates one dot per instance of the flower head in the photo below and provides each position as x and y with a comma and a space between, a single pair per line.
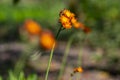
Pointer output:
78, 69
47, 40
65, 21
65, 18
32, 27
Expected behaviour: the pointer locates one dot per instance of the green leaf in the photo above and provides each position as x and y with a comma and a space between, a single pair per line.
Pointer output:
21, 76
32, 77
11, 76
0, 78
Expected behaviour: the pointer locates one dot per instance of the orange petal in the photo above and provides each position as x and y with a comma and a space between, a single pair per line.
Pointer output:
73, 20
67, 25
68, 14
63, 19
65, 22
78, 25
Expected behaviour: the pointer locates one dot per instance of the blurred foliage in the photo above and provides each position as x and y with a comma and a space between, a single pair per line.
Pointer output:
26, 9
12, 16
101, 16
20, 77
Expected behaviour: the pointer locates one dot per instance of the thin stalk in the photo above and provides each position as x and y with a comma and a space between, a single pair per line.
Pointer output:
51, 54
65, 57
49, 62
80, 56
58, 32
81, 51
70, 78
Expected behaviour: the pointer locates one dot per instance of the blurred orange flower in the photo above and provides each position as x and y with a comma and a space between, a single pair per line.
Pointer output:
78, 69
32, 27
47, 40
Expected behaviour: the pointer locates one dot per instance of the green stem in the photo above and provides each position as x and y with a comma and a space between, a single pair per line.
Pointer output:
81, 51
58, 32
80, 56
49, 62
70, 78
51, 54
65, 57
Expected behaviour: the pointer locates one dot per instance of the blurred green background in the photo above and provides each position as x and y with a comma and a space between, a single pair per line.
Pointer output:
102, 16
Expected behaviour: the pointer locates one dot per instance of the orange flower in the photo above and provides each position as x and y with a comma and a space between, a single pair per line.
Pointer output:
67, 19
47, 40
78, 69
32, 27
